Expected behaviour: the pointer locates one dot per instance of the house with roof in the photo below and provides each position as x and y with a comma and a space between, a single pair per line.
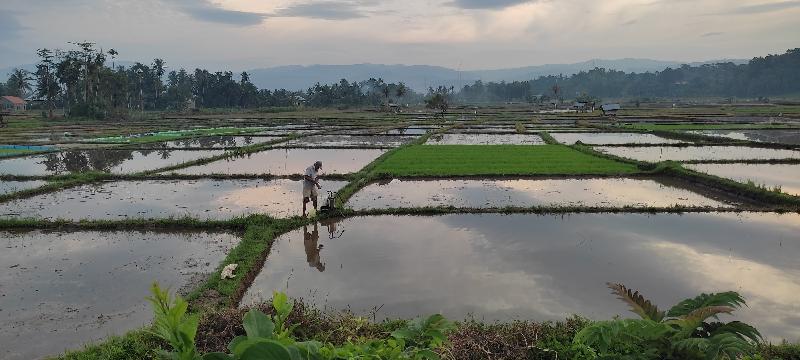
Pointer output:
12, 103
610, 109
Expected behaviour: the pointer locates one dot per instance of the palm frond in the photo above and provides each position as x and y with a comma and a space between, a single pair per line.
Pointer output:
740, 329
727, 347
730, 299
638, 304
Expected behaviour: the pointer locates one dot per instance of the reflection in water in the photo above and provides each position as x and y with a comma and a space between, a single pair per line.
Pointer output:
107, 160
611, 138
785, 176
60, 290
388, 193
311, 241
484, 139
791, 137
657, 153
502, 267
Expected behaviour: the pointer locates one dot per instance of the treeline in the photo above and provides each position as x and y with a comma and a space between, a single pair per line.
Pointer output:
83, 83
773, 75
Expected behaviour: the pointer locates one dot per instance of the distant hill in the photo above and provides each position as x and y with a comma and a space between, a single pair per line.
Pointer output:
420, 77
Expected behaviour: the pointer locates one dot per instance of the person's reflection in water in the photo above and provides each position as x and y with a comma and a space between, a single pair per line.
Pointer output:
311, 242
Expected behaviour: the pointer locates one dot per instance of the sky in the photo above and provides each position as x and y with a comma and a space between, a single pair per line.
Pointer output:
459, 34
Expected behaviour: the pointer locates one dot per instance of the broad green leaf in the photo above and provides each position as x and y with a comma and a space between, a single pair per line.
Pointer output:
258, 325
266, 350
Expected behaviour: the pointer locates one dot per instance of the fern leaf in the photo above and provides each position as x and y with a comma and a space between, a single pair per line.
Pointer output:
730, 299
728, 346
740, 329
638, 304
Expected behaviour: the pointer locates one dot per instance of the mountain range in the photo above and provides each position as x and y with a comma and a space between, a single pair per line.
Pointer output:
420, 77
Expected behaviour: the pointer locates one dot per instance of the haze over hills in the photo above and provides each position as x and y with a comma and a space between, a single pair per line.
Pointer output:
420, 77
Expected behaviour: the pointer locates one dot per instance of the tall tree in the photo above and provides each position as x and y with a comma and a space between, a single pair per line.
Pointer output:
46, 84
19, 83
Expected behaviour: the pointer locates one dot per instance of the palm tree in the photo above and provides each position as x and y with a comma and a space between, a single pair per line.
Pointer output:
19, 83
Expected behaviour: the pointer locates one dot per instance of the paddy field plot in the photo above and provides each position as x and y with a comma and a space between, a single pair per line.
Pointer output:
113, 161
467, 160
490, 193
539, 267
484, 139
789, 137
64, 289
699, 153
7, 187
611, 138
288, 162
784, 176
150, 199
350, 141
211, 142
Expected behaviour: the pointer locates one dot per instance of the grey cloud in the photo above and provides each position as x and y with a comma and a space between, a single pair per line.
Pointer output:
9, 25
328, 10
711, 34
630, 22
487, 4
762, 8
204, 10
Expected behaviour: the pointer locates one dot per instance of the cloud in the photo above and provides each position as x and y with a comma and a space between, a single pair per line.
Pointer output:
328, 10
711, 34
9, 25
762, 8
487, 4
204, 10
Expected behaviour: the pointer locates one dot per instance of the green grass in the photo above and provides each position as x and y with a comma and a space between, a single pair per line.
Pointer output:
707, 126
468, 160
12, 152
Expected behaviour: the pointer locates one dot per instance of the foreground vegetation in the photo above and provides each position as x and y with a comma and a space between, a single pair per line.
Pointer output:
471, 160
285, 329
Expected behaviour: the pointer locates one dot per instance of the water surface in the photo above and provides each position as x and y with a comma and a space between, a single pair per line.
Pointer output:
7, 187
289, 162
114, 161
611, 138
212, 142
501, 267
60, 290
786, 176
351, 141
701, 153
484, 139
525, 193
790, 137
145, 199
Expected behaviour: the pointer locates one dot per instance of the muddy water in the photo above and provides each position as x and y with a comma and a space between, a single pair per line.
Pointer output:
791, 137
7, 187
114, 161
654, 154
60, 290
612, 138
211, 142
351, 141
201, 199
525, 193
500, 267
787, 176
410, 131
289, 162
485, 139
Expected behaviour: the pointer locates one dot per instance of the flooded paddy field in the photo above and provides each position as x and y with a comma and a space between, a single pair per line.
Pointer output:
211, 142
699, 153
411, 130
789, 137
200, 199
289, 162
606, 192
484, 139
503, 267
785, 176
7, 187
612, 138
114, 161
351, 141
64, 289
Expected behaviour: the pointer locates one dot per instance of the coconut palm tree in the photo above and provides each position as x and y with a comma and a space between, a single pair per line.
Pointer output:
19, 83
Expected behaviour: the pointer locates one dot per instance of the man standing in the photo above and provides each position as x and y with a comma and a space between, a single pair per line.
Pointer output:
311, 184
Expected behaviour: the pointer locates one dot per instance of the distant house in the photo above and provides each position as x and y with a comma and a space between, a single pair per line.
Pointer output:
610, 109
579, 106
12, 103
